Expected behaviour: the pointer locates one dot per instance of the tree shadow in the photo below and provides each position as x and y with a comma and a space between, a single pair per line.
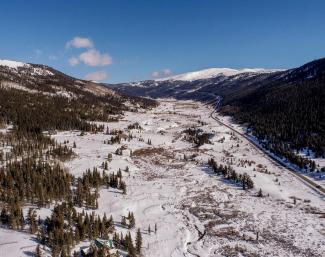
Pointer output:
29, 253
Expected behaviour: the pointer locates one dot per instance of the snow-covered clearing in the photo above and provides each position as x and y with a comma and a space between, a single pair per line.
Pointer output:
197, 213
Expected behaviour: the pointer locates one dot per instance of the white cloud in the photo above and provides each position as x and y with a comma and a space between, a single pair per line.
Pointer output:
80, 42
73, 61
162, 73
96, 76
93, 57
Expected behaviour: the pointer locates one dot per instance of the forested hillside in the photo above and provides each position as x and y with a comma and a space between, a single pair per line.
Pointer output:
35, 98
33, 113
288, 113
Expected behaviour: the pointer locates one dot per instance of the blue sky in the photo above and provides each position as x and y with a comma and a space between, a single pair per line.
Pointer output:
119, 41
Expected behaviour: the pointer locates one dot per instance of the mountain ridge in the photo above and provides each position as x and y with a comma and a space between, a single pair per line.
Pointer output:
38, 78
215, 72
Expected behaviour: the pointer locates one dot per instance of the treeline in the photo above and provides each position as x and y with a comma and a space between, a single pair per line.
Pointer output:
63, 229
29, 171
286, 151
66, 227
37, 182
87, 186
31, 114
39, 146
40, 183
229, 173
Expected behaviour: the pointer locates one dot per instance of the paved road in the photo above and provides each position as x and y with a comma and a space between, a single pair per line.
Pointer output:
317, 188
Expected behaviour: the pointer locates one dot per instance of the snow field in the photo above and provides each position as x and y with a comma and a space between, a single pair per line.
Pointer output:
197, 213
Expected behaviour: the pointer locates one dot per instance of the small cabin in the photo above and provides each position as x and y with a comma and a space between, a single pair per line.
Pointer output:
107, 245
104, 243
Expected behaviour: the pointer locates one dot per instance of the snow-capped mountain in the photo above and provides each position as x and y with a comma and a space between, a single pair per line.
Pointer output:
34, 70
200, 85
36, 78
216, 72
225, 82
12, 64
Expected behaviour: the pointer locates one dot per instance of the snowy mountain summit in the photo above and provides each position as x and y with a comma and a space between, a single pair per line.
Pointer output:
12, 64
216, 72
33, 69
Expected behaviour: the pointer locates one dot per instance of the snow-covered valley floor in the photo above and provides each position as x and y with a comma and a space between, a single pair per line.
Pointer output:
197, 213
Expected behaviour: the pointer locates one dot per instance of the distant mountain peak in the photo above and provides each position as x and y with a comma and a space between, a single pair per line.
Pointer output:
33, 69
216, 72
13, 64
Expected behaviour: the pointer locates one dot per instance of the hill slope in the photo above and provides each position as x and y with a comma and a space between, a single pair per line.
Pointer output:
36, 97
288, 112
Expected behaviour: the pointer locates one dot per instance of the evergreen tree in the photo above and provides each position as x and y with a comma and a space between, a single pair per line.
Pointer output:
130, 247
260, 193
32, 221
138, 241
131, 220
38, 252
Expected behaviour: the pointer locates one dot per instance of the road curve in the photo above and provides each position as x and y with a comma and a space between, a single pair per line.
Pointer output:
311, 184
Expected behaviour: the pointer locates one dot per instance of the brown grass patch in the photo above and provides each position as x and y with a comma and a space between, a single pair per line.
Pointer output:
150, 151
237, 250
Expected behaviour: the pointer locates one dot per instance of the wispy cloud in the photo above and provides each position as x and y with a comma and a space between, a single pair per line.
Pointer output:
80, 42
161, 73
96, 76
92, 57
